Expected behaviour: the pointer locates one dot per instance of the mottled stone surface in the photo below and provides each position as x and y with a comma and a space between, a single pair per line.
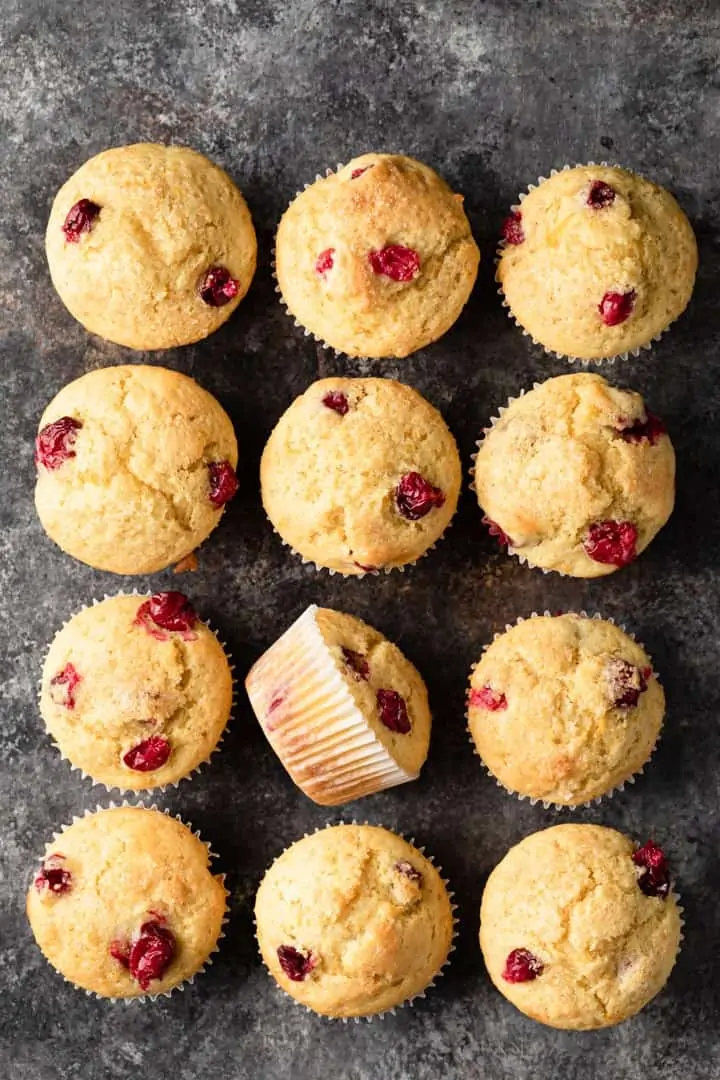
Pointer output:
492, 94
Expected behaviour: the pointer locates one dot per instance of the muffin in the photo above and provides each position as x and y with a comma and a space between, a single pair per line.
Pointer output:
342, 708
360, 475
150, 246
136, 691
579, 928
378, 258
576, 476
134, 466
124, 904
598, 262
353, 921
564, 708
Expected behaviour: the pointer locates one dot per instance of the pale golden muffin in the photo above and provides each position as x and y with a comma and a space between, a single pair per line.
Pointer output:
150, 246
564, 708
378, 258
343, 709
360, 475
579, 928
124, 904
136, 691
597, 262
134, 466
353, 921
576, 476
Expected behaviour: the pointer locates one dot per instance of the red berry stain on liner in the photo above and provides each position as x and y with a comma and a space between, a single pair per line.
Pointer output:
358, 172
651, 428
325, 261
149, 755
53, 444
393, 711
218, 287
654, 871
52, 876
150, 954
271, 720
512, 230
396, 262
627, 682
616, 307
408, 870
80, 219
611, 542
63, 687
494, 529
415, 496
487, 698
357, 662
165, 613
600, 195
223, 482
296, 965
337, 401
521, 966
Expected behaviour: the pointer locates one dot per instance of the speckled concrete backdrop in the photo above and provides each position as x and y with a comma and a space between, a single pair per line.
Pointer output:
492, 94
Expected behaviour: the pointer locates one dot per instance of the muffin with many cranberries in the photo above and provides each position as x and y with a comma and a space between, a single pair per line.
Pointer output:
576, 476
134, 467
596, 262
360, 475
150, 246
378, 258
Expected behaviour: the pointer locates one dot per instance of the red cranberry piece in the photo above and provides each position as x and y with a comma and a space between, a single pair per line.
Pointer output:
521, 966
337, 401
366, 569
223, 482
616, 307
626, 682
512, 230
168, 611
218, 288
654, 873
148, 755
494, 529
296, 965
600, 195
53, 444
611, 542
651, 428
357, 662
80, 219
325, 261
63, 686
393, 711
358, 172
415, 496
120, 951
52, 877
408, 870
487, 698
151, 953
396, 262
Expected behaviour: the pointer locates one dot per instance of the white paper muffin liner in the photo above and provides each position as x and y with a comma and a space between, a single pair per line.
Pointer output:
138, 998
549, 805
156, 789
526, 333
414, 997
326, 744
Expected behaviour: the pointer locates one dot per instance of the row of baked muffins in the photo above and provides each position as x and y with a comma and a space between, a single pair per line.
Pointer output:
375, 259
135, 464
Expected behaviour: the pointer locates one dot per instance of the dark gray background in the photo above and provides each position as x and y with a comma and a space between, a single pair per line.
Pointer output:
491, 94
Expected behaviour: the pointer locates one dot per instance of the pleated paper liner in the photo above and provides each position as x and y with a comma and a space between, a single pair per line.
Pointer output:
147, 996
414, 997
533, 801
151, 788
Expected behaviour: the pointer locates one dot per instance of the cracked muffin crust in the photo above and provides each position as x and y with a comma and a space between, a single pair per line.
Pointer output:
353, 921
150, 246
571, 932
134, 466
377, 259
360, 475
564, 708
597, 262
576, 476
132, 697
124, 903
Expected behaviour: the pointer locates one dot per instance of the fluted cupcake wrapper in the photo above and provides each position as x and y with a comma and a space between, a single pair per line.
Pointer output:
368, 1019
208, 961
582, 362
155, 789
549, 805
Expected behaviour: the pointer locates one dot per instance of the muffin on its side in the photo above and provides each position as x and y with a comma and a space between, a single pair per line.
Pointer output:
353, 921
136, 691
360, 475
576, 476
150, 246
343, 709
377, 259
134, 466
124, 904
579, 928
564, 708
597, 262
